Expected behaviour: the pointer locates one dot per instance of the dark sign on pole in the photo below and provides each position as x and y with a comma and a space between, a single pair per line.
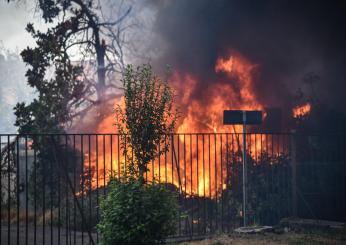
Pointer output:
244, 118
237, 117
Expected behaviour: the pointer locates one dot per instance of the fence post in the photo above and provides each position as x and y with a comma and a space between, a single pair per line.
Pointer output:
294, 174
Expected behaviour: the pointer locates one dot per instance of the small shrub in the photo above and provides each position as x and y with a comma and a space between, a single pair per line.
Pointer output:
137, 213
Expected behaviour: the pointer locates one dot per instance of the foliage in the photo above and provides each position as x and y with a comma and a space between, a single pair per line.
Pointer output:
66, 90
267, 187
59, 94
133, 213
8, 169
47, 182
147, 118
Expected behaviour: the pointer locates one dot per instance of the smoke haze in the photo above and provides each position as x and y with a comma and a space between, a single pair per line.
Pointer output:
287, 39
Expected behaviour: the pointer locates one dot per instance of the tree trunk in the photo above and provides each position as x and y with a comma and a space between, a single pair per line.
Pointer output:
100, 47
142, 171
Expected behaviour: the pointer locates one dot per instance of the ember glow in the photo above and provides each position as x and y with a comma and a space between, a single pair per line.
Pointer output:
193, 161
300, 111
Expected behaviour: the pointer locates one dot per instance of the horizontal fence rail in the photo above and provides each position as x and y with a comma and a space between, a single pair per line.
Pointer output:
51, 185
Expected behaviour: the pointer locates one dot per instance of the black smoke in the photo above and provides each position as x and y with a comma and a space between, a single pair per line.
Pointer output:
288, 39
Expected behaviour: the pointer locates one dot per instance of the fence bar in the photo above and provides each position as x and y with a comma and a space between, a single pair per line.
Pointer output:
26, 192
198, 201
97, 183
8, 192
17, 188
294, 176
74, 186
82, 183
1, 200
89, 192
191, 187
35, 190
179, 180
51, 186
104, 168
205, 169
66, 193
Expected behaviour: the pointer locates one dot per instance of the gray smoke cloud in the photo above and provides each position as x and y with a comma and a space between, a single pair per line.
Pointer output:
13, 88
287, 39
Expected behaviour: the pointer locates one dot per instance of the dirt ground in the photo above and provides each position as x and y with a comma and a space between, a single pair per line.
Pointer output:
290, 238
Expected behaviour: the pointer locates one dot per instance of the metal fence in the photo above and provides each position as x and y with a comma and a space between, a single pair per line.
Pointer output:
51, 185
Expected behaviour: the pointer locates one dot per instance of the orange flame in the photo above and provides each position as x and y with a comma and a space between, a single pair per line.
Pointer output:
201, 117
237, 94
201, 170
301, 111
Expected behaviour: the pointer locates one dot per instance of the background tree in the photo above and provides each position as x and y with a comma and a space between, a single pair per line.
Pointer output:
148, 116
79, 43
68, 69
323, 116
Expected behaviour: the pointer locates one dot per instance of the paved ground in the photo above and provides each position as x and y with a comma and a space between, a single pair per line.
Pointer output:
75, 238
43, 236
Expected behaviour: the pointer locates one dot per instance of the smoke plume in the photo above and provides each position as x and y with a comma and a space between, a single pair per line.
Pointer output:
286, 39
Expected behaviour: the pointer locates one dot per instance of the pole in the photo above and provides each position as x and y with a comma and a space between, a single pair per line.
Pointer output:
244, 168
294, 174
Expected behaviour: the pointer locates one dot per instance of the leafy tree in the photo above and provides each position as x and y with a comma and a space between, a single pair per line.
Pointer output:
58, 96
73, 47
51, 111
147, 118
135, 212
66, 88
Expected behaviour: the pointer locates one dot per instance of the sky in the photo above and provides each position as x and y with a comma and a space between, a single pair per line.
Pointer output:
14, 38
288, 39
13, 20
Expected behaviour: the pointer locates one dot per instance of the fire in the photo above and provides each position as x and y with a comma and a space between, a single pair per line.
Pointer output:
225, 65
301, 111
201, 170
205, 114
105, 157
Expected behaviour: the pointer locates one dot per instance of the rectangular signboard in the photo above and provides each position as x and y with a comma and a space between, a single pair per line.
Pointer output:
231, 117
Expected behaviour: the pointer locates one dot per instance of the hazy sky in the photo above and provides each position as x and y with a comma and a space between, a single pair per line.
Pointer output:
288, 39
13, 20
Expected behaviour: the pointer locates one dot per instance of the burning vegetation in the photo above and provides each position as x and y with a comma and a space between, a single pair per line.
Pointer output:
219, 64
301, 111
204, 113
182, 164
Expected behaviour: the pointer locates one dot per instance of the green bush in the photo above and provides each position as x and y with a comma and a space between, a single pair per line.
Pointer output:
137, 213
